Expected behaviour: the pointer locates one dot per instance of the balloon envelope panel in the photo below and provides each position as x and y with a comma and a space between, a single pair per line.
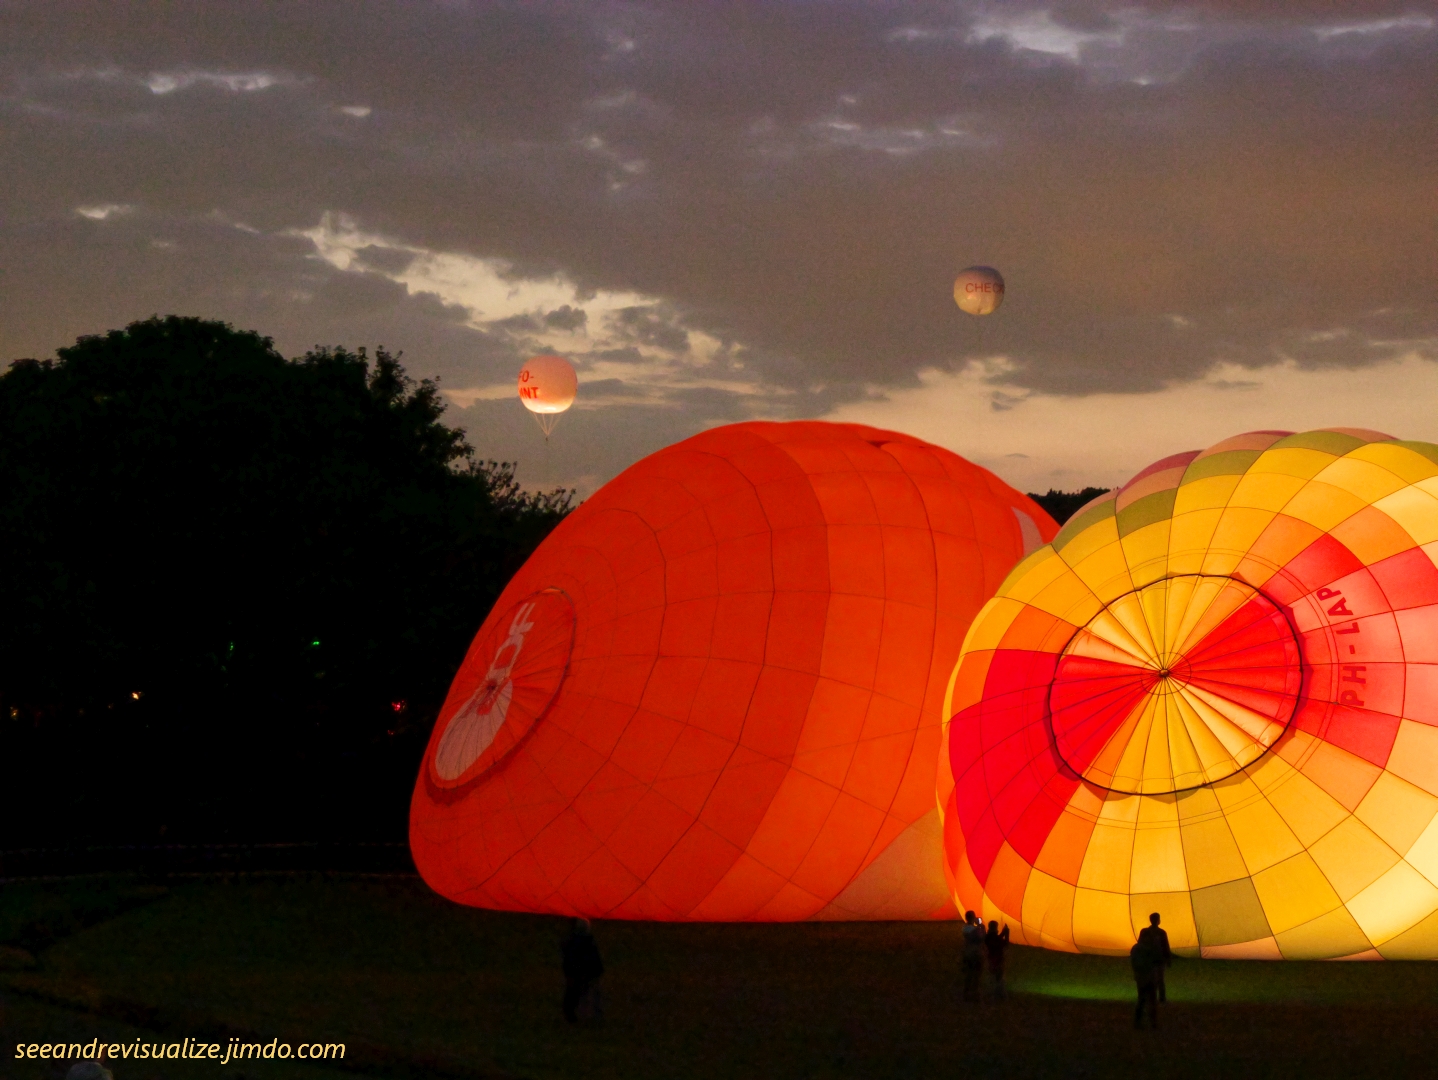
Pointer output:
1214, 696
714, 692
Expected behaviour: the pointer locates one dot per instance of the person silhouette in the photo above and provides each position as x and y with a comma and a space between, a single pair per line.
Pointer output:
1157, 939
973, 955
996, 944
582, 970
1149, 956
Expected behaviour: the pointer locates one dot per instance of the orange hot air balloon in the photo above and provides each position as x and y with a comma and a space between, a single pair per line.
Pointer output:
979, 290
547, 387
1214, 696
713, 693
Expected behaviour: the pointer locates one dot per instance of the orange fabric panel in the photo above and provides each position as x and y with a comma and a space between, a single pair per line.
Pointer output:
763, 621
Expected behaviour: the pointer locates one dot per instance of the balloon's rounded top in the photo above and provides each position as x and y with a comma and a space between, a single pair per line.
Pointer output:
979, 290
547, 384
1178, 684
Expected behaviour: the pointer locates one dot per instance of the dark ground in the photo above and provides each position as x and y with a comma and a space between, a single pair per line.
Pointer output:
418, 987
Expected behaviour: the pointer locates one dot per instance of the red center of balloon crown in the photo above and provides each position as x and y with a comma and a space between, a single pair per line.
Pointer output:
508, 681
1175, 685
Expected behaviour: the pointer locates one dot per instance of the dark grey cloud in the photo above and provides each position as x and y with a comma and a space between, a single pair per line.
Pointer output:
648, 326
1163, 185
566, 317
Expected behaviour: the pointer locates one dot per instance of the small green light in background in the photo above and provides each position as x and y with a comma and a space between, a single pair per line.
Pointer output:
315, 644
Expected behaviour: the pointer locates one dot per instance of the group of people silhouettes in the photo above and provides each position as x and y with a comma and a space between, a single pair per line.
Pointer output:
1150, 957
982, 946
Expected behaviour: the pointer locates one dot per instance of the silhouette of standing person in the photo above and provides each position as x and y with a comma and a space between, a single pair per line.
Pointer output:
973, 955
1157, 941
582, 969
995, 944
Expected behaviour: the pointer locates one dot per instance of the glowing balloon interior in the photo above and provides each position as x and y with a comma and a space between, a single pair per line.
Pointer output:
1214, 695
979, 290
714, 691
547, 386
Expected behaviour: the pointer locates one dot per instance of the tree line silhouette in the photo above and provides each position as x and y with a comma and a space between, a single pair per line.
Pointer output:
235, 586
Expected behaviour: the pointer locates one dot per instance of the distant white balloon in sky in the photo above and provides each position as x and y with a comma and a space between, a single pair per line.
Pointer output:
547, 385
979, 290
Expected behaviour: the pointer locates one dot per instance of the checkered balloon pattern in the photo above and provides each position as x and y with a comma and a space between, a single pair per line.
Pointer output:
1213, 696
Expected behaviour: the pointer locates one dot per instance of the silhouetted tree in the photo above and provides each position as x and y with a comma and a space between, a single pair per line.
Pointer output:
1062, 505
235, 586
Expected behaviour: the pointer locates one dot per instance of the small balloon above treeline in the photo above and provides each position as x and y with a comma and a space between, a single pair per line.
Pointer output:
547, 385
979, 290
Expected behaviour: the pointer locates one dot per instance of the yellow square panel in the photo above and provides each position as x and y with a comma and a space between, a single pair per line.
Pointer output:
1265, 491
1423, 855
1304, 806
1048, 906
1120, 809
1323, 505
1025, 565
1292, 461
1188, 539
1146, 550
1409, 465
1414, 756
1209, 493
1200, 804
1239, 527
1108, 858
1364, 479
1397, 811
1158, 811
1100, 568
1102, 922
1415, 511
1271, 772
1293, 892
1210, 853
1097, 535
1068, 597
1039, 575
1329, 935
1352, 857
1262, 836
1400, 899
1158, 863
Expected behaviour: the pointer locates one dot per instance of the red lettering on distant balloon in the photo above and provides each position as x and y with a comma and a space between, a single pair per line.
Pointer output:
1340, 608
1324, 594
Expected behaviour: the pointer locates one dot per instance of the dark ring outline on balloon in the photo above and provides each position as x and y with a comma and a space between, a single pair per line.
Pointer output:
447, 796
1298, 698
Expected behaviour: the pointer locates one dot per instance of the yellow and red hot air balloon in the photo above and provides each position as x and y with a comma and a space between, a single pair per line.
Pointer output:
1214, 695
714, 691
979, 290
547, 387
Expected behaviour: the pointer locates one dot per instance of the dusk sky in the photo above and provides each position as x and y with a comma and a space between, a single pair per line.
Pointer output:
1211, 217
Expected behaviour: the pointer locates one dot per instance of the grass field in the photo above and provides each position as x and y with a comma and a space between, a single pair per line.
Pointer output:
418, 987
